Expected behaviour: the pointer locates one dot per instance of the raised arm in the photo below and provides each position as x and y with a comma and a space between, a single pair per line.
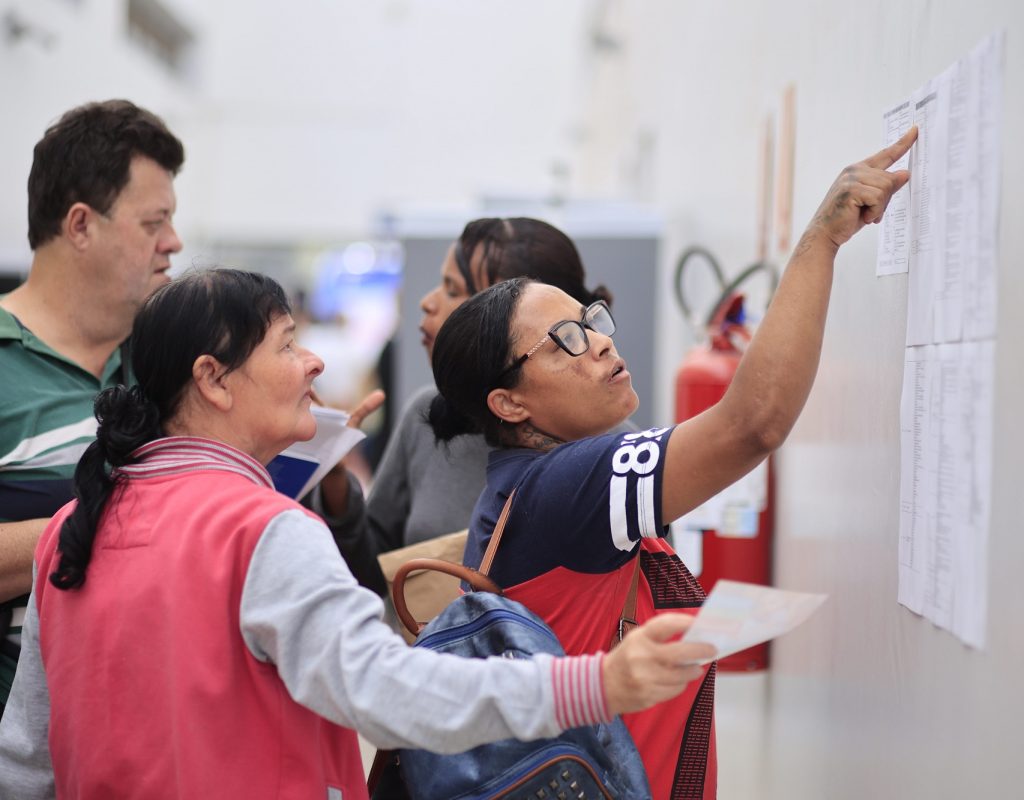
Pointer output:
716, 448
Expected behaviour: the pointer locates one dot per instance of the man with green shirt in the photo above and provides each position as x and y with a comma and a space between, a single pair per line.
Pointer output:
100, 208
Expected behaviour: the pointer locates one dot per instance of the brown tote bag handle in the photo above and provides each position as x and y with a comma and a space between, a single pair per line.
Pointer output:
627, 620
477, 578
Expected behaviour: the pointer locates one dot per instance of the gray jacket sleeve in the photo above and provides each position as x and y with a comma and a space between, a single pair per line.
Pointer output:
304, 612
25, 768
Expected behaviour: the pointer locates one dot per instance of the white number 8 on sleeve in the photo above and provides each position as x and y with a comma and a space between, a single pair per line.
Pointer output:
638, 458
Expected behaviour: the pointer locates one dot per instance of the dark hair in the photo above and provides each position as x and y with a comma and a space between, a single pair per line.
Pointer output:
521, 247
224, 313
85, 158
470, 356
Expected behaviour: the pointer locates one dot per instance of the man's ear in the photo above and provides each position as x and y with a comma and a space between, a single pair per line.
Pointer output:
209, 375
505, 405
77, 225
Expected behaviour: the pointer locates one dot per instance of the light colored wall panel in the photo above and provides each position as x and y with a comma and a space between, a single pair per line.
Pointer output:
867, 699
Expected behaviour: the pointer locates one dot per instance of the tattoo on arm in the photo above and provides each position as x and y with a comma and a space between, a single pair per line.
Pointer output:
805, 242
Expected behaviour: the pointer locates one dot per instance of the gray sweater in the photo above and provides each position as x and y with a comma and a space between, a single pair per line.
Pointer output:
423, 489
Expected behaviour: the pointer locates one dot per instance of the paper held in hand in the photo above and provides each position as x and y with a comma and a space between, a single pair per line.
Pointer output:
737, 615
301, 467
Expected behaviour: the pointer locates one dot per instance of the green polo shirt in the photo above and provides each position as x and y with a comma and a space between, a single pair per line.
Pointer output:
46, 422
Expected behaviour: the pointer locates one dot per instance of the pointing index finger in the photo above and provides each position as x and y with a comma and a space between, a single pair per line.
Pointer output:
888, 156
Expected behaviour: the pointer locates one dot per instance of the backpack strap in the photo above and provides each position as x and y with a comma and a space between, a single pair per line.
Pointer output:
492, 546
628, 619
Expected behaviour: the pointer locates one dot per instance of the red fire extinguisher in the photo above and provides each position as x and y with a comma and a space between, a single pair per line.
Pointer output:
736, 526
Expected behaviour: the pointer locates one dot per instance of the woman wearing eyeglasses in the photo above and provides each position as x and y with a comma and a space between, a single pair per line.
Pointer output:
422, 489
537, 373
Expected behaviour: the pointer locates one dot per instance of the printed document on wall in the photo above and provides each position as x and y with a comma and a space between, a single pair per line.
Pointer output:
942, 227
946, 414
893, 246
945, 484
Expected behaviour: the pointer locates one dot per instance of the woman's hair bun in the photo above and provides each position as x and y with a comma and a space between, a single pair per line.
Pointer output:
446, 422
127, 420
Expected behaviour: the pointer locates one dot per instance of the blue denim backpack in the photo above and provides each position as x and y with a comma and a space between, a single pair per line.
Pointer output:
596, 761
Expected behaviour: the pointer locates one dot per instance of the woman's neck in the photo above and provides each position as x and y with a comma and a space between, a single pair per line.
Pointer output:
529, 436
195, 420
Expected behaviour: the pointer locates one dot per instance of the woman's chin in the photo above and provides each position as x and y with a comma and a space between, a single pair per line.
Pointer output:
302, 433
305, 433
625, 410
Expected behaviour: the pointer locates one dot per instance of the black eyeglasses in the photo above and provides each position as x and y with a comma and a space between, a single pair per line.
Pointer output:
571, 335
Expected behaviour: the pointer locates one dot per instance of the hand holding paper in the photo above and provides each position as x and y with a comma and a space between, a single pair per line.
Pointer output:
303, 465
737, 615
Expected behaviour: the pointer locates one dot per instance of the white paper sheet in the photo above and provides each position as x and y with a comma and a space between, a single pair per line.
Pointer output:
971, 546
942, 227
738, 615
893, 244
927, 207
304, 464
945, 484
987, 107
914, 440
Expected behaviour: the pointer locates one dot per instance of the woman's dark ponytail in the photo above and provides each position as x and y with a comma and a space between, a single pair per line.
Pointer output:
127, 420
446, 422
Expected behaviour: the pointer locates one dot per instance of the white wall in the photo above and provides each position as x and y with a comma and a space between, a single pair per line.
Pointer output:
317, 118
302, 121
866, 700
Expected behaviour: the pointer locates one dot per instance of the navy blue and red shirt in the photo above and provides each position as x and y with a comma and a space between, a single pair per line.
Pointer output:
582, 513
